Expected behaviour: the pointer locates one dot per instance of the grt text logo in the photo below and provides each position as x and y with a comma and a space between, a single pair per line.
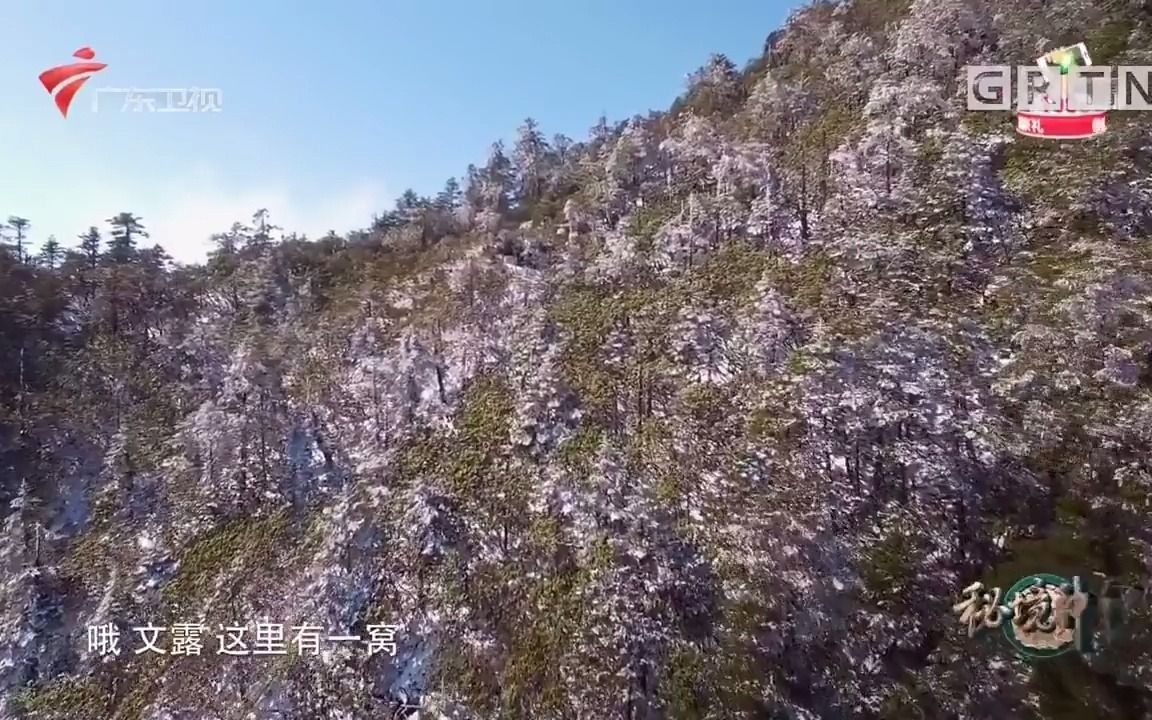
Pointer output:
64, 81
1027, 87
1063, 96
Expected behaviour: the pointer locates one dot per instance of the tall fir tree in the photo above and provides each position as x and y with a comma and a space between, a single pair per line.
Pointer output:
126, 230
50, 252
19, 227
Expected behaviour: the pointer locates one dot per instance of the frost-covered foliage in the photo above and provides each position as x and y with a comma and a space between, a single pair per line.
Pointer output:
706, 416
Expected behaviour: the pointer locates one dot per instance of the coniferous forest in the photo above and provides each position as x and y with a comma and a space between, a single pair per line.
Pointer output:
710, 414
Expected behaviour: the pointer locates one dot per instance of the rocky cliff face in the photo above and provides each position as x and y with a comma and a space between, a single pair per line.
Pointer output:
710, 415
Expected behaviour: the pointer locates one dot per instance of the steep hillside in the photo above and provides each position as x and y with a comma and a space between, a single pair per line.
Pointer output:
710, 415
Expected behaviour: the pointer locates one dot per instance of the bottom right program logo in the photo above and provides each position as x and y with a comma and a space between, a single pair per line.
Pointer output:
1046, 615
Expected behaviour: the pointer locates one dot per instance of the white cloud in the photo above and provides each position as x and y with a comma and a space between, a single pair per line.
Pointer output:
182, 213
184, 218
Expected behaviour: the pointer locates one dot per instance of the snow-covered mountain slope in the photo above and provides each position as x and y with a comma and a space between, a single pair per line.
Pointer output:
710, 415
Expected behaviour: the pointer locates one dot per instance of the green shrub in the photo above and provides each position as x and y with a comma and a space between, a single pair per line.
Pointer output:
65, 698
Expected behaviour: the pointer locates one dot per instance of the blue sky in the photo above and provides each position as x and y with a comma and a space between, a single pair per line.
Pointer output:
329, 109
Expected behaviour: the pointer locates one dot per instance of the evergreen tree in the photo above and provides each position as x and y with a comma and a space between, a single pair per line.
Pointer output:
474, 188
126, 229
20, 227
497, 179
262, 228
408, 206
451, 197
231, 242
562, 146
90, 244
383, 222
50, 252
715, 88
529, 157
